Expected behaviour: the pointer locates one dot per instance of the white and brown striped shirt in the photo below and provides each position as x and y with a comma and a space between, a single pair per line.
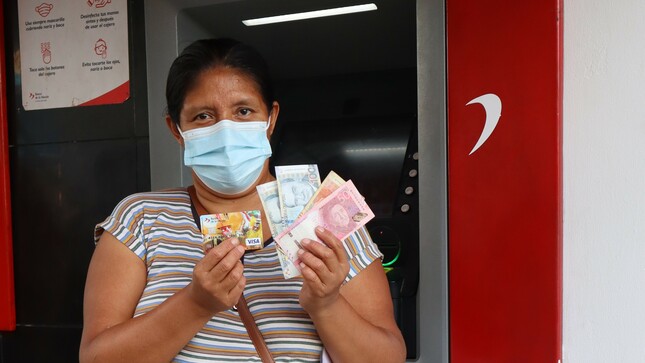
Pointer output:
159, 228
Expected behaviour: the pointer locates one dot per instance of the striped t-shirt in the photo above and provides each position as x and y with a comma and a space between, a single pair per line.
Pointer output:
159, 228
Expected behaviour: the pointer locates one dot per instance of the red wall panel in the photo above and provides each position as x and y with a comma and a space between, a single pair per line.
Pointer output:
7, 304
505, 199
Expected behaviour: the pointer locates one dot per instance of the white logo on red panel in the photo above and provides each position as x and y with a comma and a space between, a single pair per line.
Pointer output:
493, 107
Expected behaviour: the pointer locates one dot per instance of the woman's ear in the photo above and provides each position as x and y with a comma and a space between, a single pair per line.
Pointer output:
275, 110
174, 130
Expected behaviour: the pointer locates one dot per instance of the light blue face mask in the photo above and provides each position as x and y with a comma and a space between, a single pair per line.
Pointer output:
228, 156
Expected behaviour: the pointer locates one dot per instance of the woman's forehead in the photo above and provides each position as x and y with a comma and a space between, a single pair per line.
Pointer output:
223, 85
226, 79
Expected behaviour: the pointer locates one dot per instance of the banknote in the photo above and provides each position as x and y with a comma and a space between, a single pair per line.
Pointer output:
289, 268
268, 193
342, 213
270, 199
331, 182
218, 227
296, 185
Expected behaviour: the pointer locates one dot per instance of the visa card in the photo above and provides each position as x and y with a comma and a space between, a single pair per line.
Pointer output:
246, 226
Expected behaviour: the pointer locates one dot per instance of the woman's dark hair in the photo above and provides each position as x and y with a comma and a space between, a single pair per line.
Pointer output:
206, 54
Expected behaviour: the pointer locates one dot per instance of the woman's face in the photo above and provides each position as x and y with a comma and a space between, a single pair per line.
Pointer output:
223, 94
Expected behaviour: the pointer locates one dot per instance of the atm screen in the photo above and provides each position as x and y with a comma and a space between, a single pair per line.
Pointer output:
368, 151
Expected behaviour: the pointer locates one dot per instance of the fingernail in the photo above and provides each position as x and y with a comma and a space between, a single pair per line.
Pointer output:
301, 252
302, 265
235, 241
241, 249
305, 241
320, 229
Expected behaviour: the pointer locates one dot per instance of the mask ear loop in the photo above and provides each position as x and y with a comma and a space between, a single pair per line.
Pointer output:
268, 123
180, 133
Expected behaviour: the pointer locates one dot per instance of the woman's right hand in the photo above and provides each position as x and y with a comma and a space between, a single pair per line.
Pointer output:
218, 279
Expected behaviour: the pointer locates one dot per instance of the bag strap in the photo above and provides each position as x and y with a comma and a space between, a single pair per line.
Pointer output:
242, 307
254, 332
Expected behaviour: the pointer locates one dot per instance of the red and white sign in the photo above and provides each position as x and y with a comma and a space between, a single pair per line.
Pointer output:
73, 53
504, 179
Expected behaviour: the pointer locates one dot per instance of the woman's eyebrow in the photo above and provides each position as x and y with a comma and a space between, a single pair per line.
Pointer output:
196, 106
246, 101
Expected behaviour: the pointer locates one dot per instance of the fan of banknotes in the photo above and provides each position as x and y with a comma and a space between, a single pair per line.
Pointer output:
297, 202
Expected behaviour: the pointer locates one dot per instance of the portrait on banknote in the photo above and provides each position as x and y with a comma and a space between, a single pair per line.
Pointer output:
272, 209
297, 192
296, 185
343, 218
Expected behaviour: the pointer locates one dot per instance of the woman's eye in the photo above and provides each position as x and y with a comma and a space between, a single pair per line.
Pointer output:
202, 117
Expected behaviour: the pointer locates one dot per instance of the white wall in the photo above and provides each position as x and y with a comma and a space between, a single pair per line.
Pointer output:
604, 181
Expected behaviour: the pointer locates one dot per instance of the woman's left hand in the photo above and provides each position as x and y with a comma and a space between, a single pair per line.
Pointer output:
324, 267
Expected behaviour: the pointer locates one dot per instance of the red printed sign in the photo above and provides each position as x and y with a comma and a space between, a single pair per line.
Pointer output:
73, 53
504, 172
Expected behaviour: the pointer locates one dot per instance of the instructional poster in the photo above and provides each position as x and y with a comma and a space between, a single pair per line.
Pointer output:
73, 53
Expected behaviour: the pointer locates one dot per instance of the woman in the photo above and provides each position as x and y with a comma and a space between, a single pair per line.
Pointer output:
153, 295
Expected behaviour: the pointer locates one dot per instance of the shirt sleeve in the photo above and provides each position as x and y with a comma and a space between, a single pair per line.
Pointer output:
126, 223
361, 250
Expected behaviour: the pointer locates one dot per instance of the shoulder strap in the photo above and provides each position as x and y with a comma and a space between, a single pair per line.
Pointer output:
242, 307
254, 332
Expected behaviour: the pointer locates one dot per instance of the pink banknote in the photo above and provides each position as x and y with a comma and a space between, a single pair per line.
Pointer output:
342, 212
